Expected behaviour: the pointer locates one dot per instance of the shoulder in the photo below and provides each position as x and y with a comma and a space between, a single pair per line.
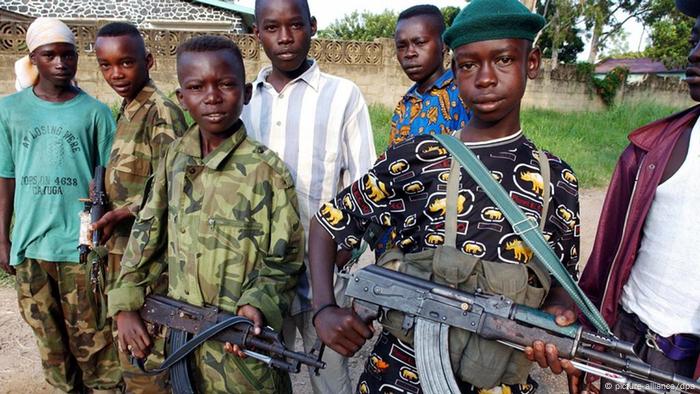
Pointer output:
340, 85
92, 104
260, 153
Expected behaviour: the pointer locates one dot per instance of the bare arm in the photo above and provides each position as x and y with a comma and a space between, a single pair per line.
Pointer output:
7, 196
339, 328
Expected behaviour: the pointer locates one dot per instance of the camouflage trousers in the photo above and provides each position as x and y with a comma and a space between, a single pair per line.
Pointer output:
53, 300
136, 381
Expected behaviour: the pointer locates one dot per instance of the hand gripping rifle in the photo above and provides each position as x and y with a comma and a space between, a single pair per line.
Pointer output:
431, 309
208, 323
90, 249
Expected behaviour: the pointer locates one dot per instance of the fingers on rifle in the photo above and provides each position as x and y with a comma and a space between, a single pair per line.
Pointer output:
566, 318
552, 356
360, 327
539, 354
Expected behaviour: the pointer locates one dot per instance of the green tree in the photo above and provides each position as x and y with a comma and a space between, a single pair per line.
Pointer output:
364, 26
449, 13
669, 35
560, 39
606, 18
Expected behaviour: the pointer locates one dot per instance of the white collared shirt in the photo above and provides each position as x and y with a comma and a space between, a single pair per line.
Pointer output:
320, 126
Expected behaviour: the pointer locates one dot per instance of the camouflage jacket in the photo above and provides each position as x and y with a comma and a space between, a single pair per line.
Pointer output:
230, 224
145, 127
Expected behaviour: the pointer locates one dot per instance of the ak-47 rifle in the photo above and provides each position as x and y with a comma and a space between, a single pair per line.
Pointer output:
209, 323
90, 249
431, 309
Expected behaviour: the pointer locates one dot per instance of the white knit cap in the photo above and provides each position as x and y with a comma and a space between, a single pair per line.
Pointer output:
41, 32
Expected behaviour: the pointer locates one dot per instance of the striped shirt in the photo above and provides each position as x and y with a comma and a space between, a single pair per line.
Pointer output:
319, 125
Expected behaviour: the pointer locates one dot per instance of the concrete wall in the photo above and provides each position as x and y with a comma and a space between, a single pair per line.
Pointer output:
372, 66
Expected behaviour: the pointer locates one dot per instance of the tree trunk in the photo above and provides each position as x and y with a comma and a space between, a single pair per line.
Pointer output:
556, 37
593, 54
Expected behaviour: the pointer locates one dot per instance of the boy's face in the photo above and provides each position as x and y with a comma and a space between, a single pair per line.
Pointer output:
419, 47
212, 89
491, 76
124, 64
57, 63
692, 72
284, 30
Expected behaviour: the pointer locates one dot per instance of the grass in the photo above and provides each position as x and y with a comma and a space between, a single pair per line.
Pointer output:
590, 142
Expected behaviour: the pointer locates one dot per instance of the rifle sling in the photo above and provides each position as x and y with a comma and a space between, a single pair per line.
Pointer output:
522, 226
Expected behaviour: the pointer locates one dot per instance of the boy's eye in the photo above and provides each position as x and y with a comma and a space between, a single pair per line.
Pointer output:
467, 66
504, 60
270, 28
127, 63
297, 25
194, 87
104, 66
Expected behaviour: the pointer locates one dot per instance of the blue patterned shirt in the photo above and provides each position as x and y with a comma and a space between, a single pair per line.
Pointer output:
438, 110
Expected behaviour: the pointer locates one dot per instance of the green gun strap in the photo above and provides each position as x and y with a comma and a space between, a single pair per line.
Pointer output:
522, 226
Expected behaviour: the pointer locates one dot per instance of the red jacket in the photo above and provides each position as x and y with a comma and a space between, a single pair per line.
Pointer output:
631, 192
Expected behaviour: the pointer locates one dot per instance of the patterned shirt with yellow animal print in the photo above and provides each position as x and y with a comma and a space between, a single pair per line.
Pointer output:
438, 110
407, 186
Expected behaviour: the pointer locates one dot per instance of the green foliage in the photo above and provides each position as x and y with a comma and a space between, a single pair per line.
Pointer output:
380, 116
449, 13
670, 31
365, 26
560, 33
608, 86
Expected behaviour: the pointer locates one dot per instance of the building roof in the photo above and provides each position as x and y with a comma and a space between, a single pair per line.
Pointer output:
643, 65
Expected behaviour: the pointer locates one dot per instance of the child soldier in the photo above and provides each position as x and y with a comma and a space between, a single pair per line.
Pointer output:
407, 188
640, 272
147, 122
319, 125
432, 105
52, 135
223, 210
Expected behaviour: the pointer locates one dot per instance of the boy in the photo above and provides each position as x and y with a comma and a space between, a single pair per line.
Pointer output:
147, 122
319, 125
223, 210
432, 105
492, 61
52, 135
640, 271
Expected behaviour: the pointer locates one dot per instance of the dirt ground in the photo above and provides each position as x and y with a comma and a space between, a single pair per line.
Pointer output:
20, 366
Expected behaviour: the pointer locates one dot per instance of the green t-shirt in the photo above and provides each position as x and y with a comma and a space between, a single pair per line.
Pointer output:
51, 150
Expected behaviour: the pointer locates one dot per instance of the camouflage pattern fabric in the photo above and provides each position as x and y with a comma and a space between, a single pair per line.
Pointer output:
53, 300
145, 127
229, 226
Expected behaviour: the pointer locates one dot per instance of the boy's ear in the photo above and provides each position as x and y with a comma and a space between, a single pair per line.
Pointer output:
32, 59
178, 94
534, 59
247, 93
150, 60
314, 26
256, 31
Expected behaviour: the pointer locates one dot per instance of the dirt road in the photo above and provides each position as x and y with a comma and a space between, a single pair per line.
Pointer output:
20, 366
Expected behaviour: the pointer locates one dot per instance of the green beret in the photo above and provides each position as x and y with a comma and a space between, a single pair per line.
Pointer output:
483, 20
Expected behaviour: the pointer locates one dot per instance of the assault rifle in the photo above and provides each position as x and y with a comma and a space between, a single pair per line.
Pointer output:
431, 309
89, 247
208, 323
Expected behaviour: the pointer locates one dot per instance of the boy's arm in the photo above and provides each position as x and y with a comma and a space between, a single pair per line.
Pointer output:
7, 195
142, 263
339, 328
268, 287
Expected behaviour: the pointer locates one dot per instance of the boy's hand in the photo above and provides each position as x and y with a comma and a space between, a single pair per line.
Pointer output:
109, 221
5, 248
547, 356
253, 314
133, 336
342, 330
